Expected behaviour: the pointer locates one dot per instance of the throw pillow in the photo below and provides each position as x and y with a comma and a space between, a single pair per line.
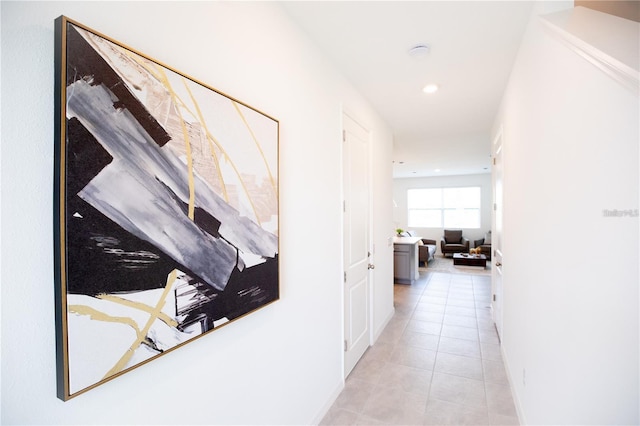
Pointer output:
487, 238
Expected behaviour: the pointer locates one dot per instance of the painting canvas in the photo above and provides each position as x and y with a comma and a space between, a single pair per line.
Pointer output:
166, 208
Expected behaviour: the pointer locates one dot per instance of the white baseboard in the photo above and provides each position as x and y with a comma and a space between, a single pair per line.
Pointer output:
516, 399
327, 405
376, 333
334, 395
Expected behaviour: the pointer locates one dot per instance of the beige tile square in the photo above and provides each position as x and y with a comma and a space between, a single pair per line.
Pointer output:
462, 280
465, 294
424, 327
413, 357
460, 310
459, 366
393, 330
338, 416
407, 379
421, 282
404, 311
494, 372
440, 282
486, 324
436, 292
449, 413
463, 347
354, 395
460, 320
459, 332
498, 420
482, 285
430, 307
368, 421
464, 303
367, 370
380, 350
395, 407
428, 316
459, 390
484, 311
434, 300
406, 293
419, 340
500, 400
484, 296
491, 351
489, 336
406, 302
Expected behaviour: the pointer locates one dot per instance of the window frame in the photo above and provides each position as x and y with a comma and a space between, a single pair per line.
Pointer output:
443, 208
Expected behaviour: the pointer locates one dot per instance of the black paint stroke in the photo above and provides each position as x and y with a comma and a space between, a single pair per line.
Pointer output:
85, 63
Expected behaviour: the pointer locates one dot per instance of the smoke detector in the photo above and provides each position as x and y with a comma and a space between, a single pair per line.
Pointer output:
419, 51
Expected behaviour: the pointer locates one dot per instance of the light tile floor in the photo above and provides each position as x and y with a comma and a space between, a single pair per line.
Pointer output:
438, 361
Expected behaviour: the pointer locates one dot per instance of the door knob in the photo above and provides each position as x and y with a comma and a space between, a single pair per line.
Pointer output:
371, 266
498, 264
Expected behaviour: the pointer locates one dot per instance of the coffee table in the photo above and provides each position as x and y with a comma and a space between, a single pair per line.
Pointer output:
464, 259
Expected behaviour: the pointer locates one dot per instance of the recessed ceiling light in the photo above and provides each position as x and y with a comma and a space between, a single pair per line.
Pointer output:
437, 170
430, 88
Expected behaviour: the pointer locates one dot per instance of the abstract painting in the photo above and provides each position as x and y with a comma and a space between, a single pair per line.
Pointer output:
166, 208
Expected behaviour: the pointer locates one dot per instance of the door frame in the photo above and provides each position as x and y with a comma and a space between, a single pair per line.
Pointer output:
345, 114
497, 273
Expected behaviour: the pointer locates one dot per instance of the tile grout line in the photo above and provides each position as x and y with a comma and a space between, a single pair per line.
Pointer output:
484, 381
433, 371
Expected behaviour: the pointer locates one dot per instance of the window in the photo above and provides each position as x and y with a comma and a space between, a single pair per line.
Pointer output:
444, 207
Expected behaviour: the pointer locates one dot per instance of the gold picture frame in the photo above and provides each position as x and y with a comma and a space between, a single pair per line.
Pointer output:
166, 208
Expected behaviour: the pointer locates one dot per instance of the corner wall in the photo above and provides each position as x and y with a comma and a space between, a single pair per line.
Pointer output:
280, 365
571, 324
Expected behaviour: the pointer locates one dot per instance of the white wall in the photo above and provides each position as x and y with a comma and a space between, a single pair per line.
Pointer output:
280, 365
571, 137
382, 172
400, 187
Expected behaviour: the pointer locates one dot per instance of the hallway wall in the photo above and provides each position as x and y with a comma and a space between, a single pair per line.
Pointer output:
571, 136
280, 365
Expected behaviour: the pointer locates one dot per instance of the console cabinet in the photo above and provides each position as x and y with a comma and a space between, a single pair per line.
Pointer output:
405, 259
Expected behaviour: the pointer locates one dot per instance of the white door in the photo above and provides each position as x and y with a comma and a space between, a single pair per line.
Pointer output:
496, 239
355, 153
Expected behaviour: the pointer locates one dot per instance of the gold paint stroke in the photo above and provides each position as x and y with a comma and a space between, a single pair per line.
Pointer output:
210, 139
94, 314
138, 305
161, 77
206, 130
142, 335
255, 140
187, 143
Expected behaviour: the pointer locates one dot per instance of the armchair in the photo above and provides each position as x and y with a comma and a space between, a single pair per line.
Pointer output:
453, 242
484, 244
426, 251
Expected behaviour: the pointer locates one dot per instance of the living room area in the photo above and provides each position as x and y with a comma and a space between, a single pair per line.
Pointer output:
462, 217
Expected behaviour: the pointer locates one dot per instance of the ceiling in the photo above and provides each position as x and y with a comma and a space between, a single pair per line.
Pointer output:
472, 48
